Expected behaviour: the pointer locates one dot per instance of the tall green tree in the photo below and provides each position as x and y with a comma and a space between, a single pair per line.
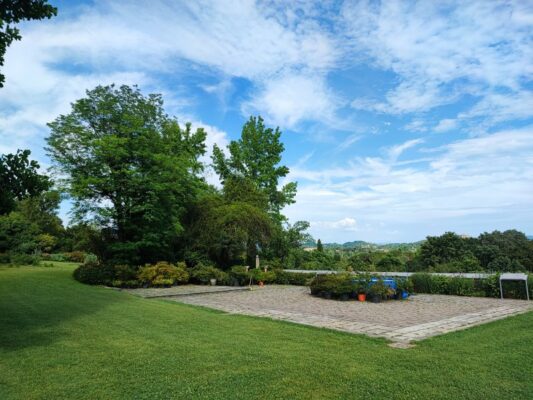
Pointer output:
319, 245
256, 157
19, 179
15, 11
130, 168
229, 226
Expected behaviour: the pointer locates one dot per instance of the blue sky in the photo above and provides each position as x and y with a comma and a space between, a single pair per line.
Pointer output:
400, 119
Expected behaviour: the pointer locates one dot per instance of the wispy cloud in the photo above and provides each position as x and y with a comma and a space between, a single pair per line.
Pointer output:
442, 51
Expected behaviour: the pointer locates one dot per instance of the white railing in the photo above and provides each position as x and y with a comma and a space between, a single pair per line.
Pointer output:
399, 274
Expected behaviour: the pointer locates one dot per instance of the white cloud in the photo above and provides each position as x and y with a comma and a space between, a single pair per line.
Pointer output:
345, 224
291, 98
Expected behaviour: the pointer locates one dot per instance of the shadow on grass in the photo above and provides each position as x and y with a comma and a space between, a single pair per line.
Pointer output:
35, 302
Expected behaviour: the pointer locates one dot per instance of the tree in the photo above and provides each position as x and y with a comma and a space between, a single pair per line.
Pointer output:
19, 179
14, 11
228, 232
131, 170
444, 249
256, 157
319, 246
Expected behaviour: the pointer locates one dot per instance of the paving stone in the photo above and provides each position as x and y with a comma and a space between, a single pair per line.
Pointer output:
400, 321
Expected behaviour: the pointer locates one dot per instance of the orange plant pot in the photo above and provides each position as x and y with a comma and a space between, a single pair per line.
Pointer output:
261, 284
361, 297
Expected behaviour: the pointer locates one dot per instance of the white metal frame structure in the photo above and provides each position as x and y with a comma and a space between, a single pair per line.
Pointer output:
513, 277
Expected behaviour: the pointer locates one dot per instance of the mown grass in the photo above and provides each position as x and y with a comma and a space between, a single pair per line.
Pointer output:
60, 339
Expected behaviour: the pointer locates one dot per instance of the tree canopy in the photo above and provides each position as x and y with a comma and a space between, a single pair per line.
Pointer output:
256, 157
19, 179
130, 168
14, 11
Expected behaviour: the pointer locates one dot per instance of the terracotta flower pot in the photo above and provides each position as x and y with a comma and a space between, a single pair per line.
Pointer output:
361, 297
261, 284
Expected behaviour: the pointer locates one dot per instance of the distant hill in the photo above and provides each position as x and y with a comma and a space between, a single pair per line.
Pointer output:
530, 237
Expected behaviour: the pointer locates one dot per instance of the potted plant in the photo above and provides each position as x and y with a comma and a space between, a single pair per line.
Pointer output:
361, 293
403, 288
378, 291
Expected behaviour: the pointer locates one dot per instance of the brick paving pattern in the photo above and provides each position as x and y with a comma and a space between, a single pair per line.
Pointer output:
405, 321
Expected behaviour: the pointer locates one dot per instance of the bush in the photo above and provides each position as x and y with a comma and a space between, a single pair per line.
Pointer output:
259, 275
24, 259
204, 273
293, 278
163, 274
239, 275
93, 273
334, 285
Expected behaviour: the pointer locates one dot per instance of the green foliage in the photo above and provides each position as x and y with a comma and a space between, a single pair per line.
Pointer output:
93, 273
293, 278
130, 167
390, 263
239, 275
228, 232
13, 12
486, 287
19, 177
379, 291
163, 274
319, 246
259, 275
256, 157
334, 285
24, 259
204, 273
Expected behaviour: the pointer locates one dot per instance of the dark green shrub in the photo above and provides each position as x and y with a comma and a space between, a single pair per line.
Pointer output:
239, 275
334, 285
163, 274
293, 278
204, 273
93, 273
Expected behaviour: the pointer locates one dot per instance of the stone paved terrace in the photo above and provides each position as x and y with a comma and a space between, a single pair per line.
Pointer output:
401, 322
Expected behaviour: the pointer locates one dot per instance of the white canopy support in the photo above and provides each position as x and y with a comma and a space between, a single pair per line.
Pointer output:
513, 277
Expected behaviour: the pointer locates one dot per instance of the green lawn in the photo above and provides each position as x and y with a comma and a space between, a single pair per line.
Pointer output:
63, 340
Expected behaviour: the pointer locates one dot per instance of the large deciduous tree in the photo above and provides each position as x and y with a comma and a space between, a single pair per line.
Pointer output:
15, 11
256, 157
130, 168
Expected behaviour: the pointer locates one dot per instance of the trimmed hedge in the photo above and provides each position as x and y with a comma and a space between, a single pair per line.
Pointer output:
293, 278
457, 286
